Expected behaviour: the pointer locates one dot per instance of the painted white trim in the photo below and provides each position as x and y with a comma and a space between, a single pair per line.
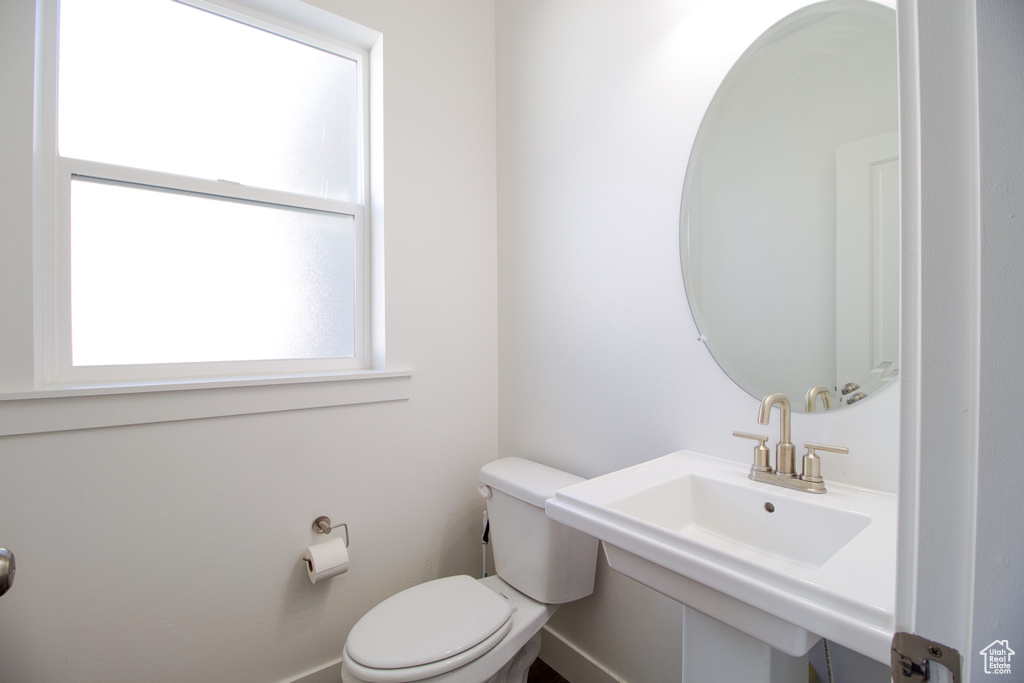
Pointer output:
373, 224
131, 404
296, 21
939, 453
558, 653
910, 287
570, 661
329, 673
98, 171
304, 19
51, 341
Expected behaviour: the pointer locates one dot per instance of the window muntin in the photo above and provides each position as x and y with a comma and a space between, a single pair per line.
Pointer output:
272, 278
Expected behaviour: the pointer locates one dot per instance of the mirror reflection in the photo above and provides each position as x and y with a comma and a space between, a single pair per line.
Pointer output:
789, 229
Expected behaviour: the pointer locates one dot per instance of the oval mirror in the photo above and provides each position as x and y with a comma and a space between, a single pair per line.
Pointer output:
789, 229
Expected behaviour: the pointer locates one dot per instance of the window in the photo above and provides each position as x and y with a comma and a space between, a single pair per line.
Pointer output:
209, 195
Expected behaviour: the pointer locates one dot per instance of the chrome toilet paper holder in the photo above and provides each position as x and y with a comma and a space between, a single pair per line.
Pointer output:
322, 525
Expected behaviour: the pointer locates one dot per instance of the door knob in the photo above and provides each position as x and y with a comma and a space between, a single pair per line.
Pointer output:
6, 570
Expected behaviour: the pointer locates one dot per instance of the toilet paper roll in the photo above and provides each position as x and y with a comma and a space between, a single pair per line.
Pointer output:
326, 559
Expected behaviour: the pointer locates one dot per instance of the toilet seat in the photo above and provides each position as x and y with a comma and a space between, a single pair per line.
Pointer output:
428, 630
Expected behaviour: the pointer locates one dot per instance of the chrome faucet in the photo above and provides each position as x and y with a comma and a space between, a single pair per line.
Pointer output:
784, 474
785, 451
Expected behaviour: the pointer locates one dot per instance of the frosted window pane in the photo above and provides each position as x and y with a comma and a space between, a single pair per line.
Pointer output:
162, 277
163, 86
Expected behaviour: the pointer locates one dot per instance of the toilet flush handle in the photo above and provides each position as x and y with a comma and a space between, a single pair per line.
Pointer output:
485, 491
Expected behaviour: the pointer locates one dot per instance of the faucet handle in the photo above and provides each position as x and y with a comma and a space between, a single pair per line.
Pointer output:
812, 463
762, 456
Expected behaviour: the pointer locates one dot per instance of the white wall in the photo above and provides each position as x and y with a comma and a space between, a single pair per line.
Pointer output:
598, 104
998, 580
171, 551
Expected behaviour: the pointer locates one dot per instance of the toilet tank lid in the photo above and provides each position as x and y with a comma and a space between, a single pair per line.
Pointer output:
526, 480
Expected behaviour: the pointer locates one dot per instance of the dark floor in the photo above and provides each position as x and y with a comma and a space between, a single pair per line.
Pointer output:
542, 673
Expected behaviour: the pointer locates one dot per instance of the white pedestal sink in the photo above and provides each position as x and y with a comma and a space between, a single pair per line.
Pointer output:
785, 567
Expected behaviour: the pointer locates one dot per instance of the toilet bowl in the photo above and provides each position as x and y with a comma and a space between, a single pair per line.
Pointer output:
463, 630
509, 649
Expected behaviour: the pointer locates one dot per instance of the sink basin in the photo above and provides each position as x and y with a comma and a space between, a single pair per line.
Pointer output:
783, 566
744, 520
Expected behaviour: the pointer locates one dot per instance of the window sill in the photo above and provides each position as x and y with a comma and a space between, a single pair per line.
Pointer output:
87, 407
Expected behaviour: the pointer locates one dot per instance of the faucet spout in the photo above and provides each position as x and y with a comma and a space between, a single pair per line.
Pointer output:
784, 406
811, 399
785, 451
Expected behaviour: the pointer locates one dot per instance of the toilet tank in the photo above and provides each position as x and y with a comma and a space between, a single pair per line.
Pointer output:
543, 559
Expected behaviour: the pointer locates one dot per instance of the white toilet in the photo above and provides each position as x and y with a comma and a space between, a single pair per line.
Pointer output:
464, 630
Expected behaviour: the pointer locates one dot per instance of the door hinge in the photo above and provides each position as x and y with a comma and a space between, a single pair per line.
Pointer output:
912, 656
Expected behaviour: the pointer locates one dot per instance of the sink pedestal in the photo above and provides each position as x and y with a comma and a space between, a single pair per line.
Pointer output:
761, 626
713, 651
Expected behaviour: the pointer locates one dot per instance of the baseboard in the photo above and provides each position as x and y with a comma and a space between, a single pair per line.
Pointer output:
329, 673
560, 654
570, 662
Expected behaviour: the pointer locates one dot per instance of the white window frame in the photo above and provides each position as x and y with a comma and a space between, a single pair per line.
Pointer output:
56, 173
